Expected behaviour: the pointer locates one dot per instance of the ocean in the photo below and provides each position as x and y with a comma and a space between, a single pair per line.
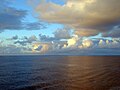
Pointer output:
59, 72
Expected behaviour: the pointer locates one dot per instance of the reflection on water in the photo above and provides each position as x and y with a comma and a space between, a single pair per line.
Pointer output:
59, 73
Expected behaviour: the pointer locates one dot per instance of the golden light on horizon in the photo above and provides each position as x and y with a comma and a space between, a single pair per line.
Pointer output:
71, 42
35, 46
87, 43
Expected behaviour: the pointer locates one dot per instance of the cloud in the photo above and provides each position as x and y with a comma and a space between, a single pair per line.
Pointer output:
86, 32
42, 47
88, 47
62, 33
9, 49
38, 48
35, 26
102, 43
59, 45
56, 45
26, 40
115, 32
13, 38
23, 43
87, 43
85, 16
73, 41
109, 44
1, 42
74, 46
10, 18
13, 49
45, 38
32, 38
58, 35
14, 19
46, 47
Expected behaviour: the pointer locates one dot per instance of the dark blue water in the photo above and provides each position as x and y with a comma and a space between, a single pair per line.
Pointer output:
60, 73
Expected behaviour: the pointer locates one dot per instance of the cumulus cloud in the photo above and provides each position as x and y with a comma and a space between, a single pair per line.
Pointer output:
102, 43
88, 47
87, 43
47, 47
74, 46
90, 16
62, 33
73, 41
58, 35
59, 45
42, 47
109, 44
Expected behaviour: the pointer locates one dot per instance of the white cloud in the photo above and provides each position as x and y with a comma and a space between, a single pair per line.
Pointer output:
73, 41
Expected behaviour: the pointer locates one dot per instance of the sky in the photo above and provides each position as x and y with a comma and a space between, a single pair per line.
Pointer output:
59, 27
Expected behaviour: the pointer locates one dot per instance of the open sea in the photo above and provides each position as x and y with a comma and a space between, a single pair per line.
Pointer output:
59, 72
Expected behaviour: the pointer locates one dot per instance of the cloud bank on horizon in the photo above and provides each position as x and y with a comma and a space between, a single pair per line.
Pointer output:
88, 27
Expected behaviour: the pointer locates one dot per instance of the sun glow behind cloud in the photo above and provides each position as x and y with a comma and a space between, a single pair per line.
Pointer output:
79, 5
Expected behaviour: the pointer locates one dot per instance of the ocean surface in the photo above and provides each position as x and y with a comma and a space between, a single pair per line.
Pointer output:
59, 72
